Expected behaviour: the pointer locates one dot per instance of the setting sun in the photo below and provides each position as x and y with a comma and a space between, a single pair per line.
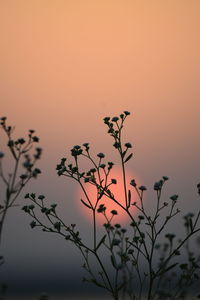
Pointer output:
117, 190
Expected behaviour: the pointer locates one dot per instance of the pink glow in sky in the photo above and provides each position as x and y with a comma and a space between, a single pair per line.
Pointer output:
66, 64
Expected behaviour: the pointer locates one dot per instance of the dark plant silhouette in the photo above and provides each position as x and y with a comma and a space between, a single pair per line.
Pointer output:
141, 259
22, 168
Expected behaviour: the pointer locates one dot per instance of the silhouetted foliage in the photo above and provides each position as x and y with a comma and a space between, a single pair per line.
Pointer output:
141, 259
23, 169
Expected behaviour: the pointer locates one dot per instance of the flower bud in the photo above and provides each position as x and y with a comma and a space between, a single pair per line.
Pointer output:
1, 154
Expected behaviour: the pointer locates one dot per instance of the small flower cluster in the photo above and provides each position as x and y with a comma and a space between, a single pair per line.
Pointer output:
159, 184
198, 188
135, 253
22, 166
20, 148
56, 224
93, 175
115, 126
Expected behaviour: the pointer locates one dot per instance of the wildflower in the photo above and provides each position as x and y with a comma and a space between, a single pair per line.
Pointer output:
117, 225
114, 212
170, 236
133, 223
133, 183
77, 147
11, 143
116, 145
102, 166
86, 145
157, 186
142, 188
130, 251
115, 119
36, 171
127, 113
38, 153
114, 181
48, 211
31, 206
35, 139
110, 165
128, 145
111, 130
31, 131
115, 242
60, 172
26, 209
100, 155
57, 226
33, 224
174, 197
74, 169
101, 208
76, 150
106, 120
198, 187
23, 176
142, 235
136, 239
27, 164
3, 118
21, 141
1, 154
53, 205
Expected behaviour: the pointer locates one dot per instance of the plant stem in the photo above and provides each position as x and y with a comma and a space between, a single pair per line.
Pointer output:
124, 182
94, 225
105, 272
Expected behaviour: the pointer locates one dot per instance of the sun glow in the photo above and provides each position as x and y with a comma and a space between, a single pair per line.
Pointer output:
119, 195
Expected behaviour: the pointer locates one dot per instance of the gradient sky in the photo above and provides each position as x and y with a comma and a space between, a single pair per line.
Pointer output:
66, 64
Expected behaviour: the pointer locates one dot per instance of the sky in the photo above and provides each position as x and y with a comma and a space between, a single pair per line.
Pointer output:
65, 65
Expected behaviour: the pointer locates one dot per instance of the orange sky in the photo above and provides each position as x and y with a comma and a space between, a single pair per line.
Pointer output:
66, 64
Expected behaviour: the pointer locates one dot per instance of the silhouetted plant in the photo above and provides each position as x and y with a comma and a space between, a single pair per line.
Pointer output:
22, 170
141, 259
